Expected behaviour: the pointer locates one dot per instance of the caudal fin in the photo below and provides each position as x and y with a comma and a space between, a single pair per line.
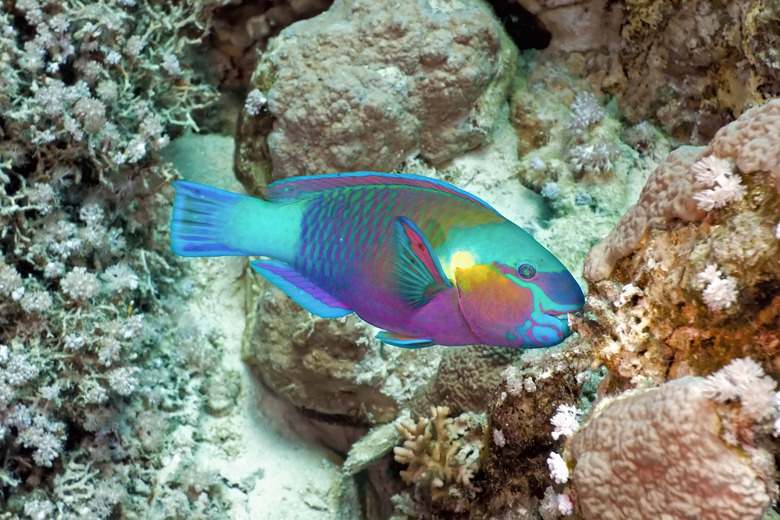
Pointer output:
203, 222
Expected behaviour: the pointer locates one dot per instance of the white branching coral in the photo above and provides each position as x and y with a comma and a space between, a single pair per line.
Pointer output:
723, 184
442, 453
720, 292
585, 112
559, 471
119, 277
593, 158
565, 420
553, 505
255, 102
80, 284
743, 380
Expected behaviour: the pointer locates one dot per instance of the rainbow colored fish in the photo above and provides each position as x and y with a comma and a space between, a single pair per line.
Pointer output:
420, 258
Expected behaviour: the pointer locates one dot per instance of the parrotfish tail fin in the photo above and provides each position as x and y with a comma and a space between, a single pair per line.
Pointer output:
201, 221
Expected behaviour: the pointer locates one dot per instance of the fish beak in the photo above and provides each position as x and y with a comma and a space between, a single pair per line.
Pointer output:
564, 319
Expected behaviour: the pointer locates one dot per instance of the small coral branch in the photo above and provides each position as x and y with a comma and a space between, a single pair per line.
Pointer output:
442, 454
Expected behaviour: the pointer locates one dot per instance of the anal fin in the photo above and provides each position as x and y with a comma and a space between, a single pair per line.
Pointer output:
401, 340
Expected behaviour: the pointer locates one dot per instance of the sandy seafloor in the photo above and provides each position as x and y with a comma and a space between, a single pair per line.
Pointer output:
271, 471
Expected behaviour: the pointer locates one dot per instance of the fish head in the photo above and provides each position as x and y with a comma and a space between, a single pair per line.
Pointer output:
520, 299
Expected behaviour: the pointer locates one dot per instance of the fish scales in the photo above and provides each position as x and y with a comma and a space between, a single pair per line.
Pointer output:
330, 218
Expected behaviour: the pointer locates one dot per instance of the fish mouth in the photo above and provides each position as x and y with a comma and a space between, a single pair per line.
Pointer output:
563, 318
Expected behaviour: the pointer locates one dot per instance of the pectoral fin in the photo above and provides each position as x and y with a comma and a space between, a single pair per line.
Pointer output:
416, 268
303, 291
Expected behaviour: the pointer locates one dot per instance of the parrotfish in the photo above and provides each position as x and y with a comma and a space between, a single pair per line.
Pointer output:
427, 262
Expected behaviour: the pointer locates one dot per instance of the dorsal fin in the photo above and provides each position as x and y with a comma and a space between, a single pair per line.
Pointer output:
296, 188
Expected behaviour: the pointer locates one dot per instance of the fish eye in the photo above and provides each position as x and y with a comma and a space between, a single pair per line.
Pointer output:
526, 271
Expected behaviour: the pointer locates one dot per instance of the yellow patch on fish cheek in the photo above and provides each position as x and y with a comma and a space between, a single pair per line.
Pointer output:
459, 260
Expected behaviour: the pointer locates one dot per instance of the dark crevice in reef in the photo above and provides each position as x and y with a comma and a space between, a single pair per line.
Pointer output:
525, 29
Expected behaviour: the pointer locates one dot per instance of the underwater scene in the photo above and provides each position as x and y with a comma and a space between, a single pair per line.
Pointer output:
387, 259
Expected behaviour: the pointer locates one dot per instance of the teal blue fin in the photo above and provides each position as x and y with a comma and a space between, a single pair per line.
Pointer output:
417, 269
199, 223
400, 340
303, 291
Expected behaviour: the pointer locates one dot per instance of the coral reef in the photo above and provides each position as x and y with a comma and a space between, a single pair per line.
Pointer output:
95, 374
123, 384
669, 442
686, 284
667, 195
466, 378
381, 83
670, 192
524, 421
574, 151
695, 296
716, 49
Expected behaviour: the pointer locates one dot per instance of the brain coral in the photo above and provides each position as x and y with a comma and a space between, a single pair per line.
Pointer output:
658, 454
365, 85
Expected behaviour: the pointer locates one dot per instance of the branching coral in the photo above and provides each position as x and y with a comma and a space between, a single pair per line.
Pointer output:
81, 83
89, 92
442, 454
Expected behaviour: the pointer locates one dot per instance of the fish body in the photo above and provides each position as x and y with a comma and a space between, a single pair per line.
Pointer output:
420, 258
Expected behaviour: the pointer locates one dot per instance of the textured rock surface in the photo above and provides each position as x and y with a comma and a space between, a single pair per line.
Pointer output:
576, 25
364, 86
520, 432
332, 366
693, 65
649, 318
658, 454
336, 367
667, 195
575, 151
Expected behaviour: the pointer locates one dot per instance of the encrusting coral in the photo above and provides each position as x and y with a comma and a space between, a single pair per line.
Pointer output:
751, 142
690, 298
442, 454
